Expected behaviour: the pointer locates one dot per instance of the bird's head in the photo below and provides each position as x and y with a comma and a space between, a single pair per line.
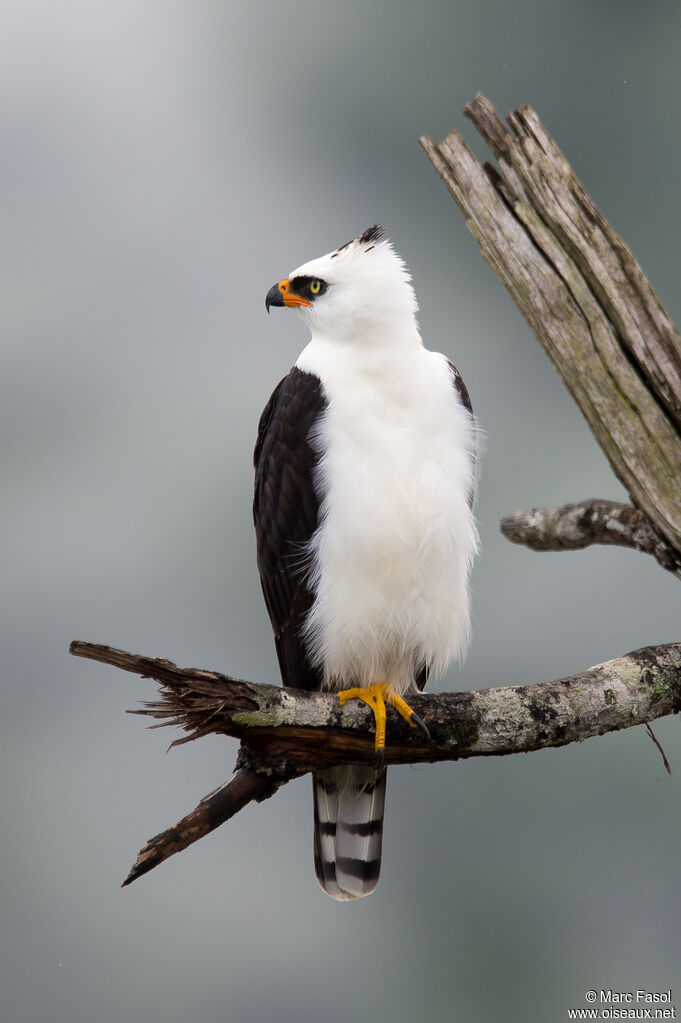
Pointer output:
360, 292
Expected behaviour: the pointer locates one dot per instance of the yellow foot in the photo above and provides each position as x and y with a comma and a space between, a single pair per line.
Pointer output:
376, 696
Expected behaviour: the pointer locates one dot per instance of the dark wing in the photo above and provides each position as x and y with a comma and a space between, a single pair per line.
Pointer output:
464, 398
285, 513
461, 388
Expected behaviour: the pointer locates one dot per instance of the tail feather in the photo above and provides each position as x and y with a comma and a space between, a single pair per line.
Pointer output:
348, 830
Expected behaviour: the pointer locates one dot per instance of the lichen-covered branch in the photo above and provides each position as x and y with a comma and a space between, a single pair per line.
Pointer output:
582, 523
583, 295
310, 730
285, 733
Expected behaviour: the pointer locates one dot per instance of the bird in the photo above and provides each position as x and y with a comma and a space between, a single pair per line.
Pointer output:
365, 481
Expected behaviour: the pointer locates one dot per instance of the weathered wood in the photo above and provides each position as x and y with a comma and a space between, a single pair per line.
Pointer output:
285, 733
310, 729
583, 295
594, 521
213, 810
549, 184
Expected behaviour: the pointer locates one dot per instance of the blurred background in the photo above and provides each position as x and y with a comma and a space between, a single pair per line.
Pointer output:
163, 163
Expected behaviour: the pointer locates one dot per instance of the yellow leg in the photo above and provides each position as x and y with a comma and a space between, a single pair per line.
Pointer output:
376, 696
404, 710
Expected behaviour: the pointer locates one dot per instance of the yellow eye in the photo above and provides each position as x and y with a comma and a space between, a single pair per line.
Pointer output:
315, 287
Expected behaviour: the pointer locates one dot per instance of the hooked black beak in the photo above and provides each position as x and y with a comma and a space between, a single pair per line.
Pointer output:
282, 293
274, 297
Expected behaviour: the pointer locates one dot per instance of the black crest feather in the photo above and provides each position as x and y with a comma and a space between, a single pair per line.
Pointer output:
368, 237
371, 235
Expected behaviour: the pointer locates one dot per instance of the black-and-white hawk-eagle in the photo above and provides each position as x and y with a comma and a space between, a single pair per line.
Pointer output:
364, 482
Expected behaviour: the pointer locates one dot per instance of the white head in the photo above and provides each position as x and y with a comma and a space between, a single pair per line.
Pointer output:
360, 293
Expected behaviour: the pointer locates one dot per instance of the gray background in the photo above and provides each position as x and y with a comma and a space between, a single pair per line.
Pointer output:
163, 163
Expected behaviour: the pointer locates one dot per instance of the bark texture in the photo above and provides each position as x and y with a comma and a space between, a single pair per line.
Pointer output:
310, 730
581, 523
584, 296
214, 809
285, 733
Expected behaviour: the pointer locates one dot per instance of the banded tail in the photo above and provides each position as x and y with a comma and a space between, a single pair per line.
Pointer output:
348, 830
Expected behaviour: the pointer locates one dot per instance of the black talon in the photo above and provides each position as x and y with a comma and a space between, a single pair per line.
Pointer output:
380, 759
422, 725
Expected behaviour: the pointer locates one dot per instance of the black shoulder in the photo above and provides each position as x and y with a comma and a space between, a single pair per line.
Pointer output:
461, 388
285, 513
294, 405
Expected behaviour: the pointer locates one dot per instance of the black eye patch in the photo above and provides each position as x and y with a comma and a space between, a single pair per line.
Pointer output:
309, 288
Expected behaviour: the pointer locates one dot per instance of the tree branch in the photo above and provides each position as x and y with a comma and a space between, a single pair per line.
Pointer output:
285, 733
581, 523
583, 295
309, 730
214, 809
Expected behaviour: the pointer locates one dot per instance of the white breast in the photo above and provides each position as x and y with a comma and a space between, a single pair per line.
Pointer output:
390, 559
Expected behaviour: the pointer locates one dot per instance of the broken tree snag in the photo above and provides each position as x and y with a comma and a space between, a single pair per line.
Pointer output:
581, 523
583, 295
213, 810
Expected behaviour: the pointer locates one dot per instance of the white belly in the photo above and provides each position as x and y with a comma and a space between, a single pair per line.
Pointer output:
390, 559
